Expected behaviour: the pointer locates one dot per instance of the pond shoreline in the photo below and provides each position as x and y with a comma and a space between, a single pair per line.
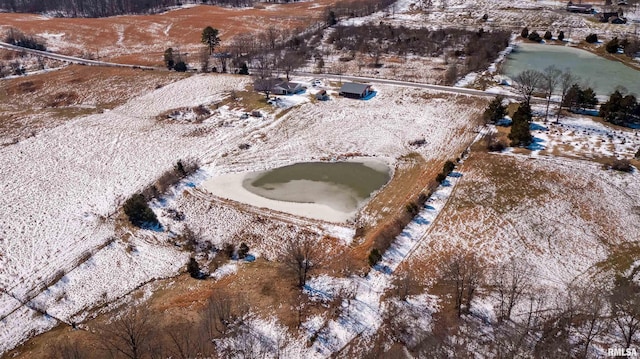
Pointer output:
598, 72
598, 51
315, 198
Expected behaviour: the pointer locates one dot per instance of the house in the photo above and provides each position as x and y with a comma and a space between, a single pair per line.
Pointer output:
322, 95
287, 88
611, 17
355, 90
581, 8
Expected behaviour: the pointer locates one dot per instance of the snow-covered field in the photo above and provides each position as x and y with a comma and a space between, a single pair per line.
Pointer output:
65, 184
63, 250
561, 216
584, 138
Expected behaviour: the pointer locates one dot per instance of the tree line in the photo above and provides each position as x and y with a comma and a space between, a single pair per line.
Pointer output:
103, 8
476, 49
528, 322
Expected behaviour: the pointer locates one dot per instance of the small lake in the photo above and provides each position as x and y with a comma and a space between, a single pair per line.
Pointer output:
331, 191
597, 72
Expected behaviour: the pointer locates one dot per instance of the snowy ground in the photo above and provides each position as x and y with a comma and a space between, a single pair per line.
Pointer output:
67, 182
583, 137
363, 315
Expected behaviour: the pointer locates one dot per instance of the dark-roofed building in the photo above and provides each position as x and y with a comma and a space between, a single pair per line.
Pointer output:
355, 90
581, 8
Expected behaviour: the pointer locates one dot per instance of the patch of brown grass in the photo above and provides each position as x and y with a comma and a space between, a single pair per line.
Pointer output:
28, 105
141, 39
64, 98
412, 176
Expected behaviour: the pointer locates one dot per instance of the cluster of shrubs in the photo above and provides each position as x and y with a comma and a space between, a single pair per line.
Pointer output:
622, 165
621, 110
592, 38
534, 36
230, 252
629, 47
17, 38
137, 208
447, 168
579, 98
389, 232
494, 144
477, 48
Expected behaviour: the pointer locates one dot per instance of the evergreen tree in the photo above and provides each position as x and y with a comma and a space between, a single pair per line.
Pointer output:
525, 32
534, 36
592, 38
138, 211
588, 98
495, 111
547, 35
572, 97
520, 134
331, 18
613, 46
194, 269
210, 38
561, 36
244, 69
374, 257
168, 58
180, 66
620, 110
243, 250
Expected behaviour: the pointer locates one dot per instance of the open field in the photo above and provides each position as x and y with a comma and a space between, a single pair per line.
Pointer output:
31, 104
95, 166
141, 39
77, 142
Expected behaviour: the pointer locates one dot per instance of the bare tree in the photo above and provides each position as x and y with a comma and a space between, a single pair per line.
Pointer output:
512, 340
591, 318
204, 59
511, 280
128, 335
188, 340
269, 37
223, 311
464, 273
625, 309
526, 83
263, 65
291, 60
567, 79
302, 255
550, 80
265, 85
406, 284
69, 350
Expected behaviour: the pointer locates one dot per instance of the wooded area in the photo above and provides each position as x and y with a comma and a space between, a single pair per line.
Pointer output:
102, 8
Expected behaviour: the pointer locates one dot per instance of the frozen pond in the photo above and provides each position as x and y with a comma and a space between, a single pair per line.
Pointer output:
331, 191
599, 73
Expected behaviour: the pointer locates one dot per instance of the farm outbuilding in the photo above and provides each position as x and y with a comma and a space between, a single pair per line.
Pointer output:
355, 90
322, 95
